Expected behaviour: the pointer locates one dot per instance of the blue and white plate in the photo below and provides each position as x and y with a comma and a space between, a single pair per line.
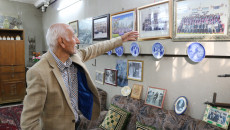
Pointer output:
180, 105
196, 52
134, 49
158, 50
109, 52
119, 50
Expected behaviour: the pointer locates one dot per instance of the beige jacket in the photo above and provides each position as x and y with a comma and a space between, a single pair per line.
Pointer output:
47, 104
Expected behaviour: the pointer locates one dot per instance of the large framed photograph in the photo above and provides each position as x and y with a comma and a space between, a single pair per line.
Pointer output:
74, 25
154, 21
85, 31
136, 91
99, 77
101, 25
122, 23
217, 116
155, 97
111, 77
203, 20
135, 70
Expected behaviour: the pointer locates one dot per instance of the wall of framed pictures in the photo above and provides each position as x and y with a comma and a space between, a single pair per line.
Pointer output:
174, 72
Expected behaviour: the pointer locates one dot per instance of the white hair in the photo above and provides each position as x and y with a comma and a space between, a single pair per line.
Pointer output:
54, 32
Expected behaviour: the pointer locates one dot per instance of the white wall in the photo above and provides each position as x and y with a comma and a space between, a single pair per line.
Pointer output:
181, 77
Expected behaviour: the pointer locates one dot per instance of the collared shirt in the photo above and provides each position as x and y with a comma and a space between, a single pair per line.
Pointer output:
69, 74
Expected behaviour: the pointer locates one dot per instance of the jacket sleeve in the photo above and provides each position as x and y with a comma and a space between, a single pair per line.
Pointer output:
33, 103
99, 48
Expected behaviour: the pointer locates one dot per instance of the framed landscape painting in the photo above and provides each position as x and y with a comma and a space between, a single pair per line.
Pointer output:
85, 31
111, 77
155, 97
101, 25
135, 70
122, 23
154, 21
74, 25
205, 20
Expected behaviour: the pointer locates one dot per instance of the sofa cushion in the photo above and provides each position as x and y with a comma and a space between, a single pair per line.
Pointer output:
140, 126
115, 119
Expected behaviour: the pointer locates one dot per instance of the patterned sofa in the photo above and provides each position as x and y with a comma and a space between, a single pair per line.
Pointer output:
150, 116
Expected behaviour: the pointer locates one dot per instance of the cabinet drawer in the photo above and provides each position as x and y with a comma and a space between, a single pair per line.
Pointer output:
7, 69
12, 76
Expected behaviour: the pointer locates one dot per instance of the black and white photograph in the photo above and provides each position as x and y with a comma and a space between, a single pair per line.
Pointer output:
155, 97
85, 31
135, 70
180, 105
99, 77
101, 27
111, 77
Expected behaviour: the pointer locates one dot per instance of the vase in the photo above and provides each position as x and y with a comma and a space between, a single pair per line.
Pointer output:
6, 24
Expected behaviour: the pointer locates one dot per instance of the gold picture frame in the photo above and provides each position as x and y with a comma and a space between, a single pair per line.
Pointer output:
135, 70
74, 25
136, 91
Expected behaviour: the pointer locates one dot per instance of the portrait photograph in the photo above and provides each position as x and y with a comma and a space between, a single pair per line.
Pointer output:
74, 25
122, 23
154, 21
136, 91
135, 70
217, 116
121, 67
85, 31
101, 27
155, 97
208, 21
180, 105
99, 77
111, 77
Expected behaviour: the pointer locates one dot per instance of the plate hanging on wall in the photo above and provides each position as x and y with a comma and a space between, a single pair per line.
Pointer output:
180, 105
196, 52
158, 50
125, 91
134, 49
109, 52
119, 50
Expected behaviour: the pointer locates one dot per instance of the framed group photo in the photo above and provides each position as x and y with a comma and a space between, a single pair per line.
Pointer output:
155, 97
135, 70
205, 20
101, 26
217, 116
154, 21
111, 77
122, 23
74, 25
99, 77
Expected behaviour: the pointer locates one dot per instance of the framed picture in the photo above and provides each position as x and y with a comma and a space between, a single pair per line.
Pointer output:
111, 77
155, 97
117, 27
180, 105
74, 25
217, 116
136, 91
101, 27
154, 21
135, 70
121, 67
85, 31
204, 20
99, 77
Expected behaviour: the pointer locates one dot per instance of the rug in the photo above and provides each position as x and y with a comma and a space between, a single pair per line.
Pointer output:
10, 117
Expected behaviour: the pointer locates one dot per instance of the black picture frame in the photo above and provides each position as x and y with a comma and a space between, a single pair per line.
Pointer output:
105, 34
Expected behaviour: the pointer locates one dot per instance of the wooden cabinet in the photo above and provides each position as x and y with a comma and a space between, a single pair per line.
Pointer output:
12, 66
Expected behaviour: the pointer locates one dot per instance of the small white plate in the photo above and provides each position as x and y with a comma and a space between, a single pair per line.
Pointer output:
119, 50
158, 50
134, 49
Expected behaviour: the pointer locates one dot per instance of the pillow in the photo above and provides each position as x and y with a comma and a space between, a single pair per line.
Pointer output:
115, 119
140, 126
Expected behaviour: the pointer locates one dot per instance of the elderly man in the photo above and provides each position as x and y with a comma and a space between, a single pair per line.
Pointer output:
59, 84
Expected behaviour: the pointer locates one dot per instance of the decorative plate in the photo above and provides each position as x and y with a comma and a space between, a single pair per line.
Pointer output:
119, 50
134, 49
196, 52
109, 52
158, 50
181, 105
125, 91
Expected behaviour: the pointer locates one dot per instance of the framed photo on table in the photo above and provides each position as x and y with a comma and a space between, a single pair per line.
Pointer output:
135, 70
154, 21
205, 20
111, 77
101, 26
74, 25
99, 77
217, 116
155, 97
136, 91
122, 23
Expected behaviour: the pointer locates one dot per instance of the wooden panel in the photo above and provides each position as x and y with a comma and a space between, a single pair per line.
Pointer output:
12, 69
12, 76
19, 53
7, 52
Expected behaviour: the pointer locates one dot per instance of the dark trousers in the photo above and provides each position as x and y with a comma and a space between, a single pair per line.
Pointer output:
77, 124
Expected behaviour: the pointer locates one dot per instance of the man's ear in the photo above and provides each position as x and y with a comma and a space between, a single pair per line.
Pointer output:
60, 42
